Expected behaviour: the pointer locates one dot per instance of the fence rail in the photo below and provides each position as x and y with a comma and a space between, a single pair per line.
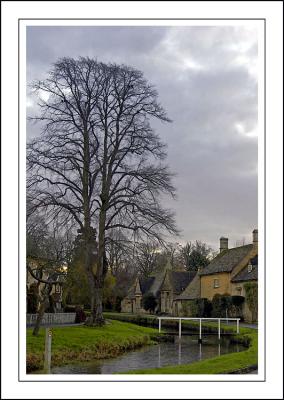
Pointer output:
52, 318
200, 323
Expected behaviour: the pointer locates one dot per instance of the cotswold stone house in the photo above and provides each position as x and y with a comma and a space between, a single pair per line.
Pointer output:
165, 286
227, 274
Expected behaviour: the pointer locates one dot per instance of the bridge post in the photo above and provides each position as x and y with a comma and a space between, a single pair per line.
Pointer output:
200, 335
219, 329
179, 329
160, 325
238, 328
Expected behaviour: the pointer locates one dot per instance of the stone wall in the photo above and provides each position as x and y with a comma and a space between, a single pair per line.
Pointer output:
52, 318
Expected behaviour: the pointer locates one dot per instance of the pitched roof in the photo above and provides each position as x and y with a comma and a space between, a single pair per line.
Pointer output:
157, 283
192, 290
146, 283
245, 275
227, 260
180, 279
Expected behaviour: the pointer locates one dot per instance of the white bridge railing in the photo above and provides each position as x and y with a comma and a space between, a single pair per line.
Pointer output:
200, 323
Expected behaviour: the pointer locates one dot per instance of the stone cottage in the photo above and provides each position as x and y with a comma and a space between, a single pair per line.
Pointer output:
164, 285
227, 274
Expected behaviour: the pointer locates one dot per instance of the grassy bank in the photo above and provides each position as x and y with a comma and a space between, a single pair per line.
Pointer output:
224, 364
82, 343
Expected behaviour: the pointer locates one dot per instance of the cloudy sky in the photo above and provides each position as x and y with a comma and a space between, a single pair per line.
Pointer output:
206, 77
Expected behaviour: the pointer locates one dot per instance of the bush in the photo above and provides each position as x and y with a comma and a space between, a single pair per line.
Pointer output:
149, 302
80, 315
221, 303
200, 308
231, 304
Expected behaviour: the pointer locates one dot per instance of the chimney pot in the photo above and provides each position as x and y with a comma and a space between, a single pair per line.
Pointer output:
223, 244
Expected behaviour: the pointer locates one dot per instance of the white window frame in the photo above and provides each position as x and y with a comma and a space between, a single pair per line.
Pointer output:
216, 283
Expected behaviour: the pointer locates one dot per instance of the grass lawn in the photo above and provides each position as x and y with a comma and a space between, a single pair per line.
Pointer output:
82, 343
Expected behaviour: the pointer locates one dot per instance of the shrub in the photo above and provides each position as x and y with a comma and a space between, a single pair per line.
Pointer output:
200, 308
80, 315
221, 303
251, 289
149, 302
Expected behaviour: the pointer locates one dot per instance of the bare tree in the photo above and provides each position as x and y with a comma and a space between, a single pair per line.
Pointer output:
147, 256
98, 162
185, 253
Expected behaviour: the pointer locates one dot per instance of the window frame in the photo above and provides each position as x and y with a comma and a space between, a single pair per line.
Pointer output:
216, 283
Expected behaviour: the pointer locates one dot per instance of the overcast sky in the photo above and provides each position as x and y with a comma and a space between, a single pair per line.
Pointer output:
206, 77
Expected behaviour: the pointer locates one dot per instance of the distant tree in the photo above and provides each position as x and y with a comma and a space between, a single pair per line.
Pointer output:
171, 251
146, 257
195, 255
149, 302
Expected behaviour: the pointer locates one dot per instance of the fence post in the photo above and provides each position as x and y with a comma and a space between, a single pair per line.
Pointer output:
219, 329
179, 331
47, 350
160, 325
238, 328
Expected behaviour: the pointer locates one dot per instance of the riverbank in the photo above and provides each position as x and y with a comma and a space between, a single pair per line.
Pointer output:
82, 343
241, 362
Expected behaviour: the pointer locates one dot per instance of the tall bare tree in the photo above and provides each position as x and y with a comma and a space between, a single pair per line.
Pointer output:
98, 162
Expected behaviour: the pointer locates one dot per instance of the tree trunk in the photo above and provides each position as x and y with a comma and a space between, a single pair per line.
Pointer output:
43, 306
98, 309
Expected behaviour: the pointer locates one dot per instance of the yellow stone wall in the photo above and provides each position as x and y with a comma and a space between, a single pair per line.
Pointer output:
207, 285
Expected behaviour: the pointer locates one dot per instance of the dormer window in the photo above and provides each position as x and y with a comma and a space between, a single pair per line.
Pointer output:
249, 268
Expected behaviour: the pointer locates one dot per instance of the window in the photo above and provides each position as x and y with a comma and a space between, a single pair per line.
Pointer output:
216, 283
249, 268
239, 290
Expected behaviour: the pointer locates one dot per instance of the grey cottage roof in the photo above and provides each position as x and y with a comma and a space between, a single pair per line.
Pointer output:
181, 279
227, 260
247, 274
192, 291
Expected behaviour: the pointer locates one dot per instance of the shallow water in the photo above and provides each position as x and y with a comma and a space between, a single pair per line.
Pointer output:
184, 351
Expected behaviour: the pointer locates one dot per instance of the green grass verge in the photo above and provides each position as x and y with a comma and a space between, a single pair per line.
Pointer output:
224, 364
82, 343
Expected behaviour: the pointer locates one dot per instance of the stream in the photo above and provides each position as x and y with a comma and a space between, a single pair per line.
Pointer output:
184, 351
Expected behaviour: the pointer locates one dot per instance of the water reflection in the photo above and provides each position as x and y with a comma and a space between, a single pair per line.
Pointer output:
183, 351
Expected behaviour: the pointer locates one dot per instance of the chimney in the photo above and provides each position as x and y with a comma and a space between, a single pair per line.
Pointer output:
255, 237
223, 244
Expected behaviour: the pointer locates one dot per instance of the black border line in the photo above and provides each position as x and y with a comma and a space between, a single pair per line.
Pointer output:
264, 119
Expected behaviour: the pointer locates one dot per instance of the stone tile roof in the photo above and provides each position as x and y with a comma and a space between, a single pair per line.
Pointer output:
180, 279
157, 283
245, 275
192, 291
227, 260
146, 283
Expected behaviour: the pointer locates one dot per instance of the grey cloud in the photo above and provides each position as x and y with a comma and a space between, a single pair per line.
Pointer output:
206, 82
